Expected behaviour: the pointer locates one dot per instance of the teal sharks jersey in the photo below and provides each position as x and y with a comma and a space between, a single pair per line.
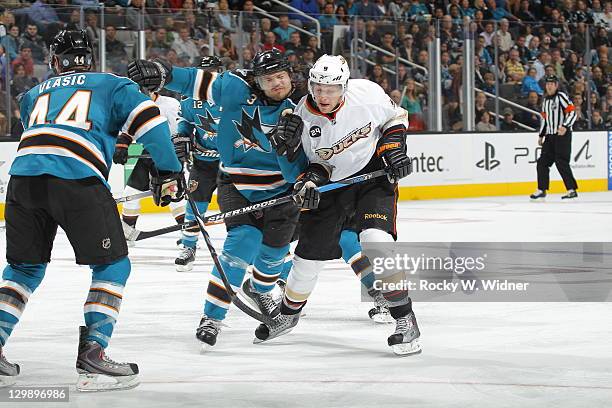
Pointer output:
71, 123
245, 120
202, 118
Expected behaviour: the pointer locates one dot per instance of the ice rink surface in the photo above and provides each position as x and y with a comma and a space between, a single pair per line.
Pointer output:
474, 354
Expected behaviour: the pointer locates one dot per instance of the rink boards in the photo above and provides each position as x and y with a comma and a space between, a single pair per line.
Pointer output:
455, 165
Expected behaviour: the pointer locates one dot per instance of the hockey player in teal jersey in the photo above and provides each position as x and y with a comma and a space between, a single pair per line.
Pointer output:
59, 178
196, 137
250, 103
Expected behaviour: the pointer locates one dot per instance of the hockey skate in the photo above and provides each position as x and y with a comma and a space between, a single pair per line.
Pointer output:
282, 324
538, 195
262, 301
97, 372
380, 312
570, 194
207, 332
405, 340
184, 262
8, 371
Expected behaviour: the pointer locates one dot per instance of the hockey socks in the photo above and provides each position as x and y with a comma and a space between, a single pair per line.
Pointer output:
103, 302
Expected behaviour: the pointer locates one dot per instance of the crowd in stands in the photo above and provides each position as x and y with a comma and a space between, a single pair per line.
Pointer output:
516, 43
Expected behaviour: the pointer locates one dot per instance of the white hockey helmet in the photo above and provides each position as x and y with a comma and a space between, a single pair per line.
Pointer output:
329, 70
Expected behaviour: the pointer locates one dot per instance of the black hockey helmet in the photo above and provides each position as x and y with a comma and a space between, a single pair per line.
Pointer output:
551, 78
269, 62
72, 49
209, 63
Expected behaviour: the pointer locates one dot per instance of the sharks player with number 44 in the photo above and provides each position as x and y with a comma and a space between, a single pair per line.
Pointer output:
345, 128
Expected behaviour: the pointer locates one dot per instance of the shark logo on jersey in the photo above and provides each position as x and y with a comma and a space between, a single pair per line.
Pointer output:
246, 126
326, 153
208, 123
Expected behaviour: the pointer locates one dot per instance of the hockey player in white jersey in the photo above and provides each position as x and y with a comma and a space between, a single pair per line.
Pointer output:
139, 179
345, 128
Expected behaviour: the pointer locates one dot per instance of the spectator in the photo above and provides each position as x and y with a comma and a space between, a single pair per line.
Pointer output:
489, 85
225, 20
534, 48
308, 57
599, 80
328, 20
530, 83
480, 6
3, 67
522, 49
485, 124
604, 18
411, 101
133, 15
418, 74
11, 42
342, 15
482, 53
480, 106
40, 13
372, 34
543, 60
524, 14
161, 42
602, 38
228, 49
396, 9
402, 73
451, 115
314, 45
265, 26
283, 31
578, 43
597, 121
382, 8
557, 63
36, 43
22, 82
378, 74
367, 10
514, 68
295, 43
488, 34
184, 46
308, 7
250, 18
408, 51
507, 124
504, 36
396, 96
115, 51
157, 10
270, 43
387, 45
196, 31
25, 60
548, 71
93, 31
527, 118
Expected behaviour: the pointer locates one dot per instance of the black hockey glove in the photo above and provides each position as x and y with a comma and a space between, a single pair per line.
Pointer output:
287, 136
182, 146
392, 150
167, 187
121, 148
151, 75
305, 192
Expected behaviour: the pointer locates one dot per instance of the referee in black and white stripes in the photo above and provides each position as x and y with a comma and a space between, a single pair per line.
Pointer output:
558, 116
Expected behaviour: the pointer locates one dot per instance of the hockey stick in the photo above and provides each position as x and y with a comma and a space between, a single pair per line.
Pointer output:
137, 196
133, 234
213, 253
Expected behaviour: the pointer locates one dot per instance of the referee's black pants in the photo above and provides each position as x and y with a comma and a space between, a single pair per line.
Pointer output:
556, 149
